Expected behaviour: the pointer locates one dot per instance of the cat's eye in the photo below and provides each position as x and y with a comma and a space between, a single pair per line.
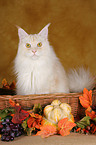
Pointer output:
28, 45
39, 44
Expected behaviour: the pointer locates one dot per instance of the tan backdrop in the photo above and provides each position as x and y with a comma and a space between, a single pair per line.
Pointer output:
72, 31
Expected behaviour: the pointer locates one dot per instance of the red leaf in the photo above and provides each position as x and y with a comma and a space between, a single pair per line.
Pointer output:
34, 121
20, 114
47, 130
93, 128
86, 99
65, 126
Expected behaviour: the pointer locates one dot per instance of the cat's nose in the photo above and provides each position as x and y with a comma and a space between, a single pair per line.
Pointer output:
34, 51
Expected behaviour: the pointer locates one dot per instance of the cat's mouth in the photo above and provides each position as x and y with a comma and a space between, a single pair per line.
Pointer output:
35, 56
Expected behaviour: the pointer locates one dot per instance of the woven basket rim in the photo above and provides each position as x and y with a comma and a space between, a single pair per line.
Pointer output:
42, 96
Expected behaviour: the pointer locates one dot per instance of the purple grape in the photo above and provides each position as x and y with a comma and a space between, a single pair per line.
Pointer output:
7, 120
3, 123
17, 126
3, 130
8, 129
12, 134
7, 138
11, 125
6, 133
3, 137
12, 138
15, 129
20, 133
17, 134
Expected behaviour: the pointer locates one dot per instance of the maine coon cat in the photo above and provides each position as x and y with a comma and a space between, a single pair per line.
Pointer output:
39, 71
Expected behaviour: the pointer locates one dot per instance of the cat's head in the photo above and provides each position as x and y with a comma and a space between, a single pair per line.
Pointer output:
33, 45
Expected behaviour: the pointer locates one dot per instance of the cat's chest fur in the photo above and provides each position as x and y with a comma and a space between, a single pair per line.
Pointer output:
34, 74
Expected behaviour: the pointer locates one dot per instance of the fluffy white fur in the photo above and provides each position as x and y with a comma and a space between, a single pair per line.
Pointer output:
80, 79
39, 71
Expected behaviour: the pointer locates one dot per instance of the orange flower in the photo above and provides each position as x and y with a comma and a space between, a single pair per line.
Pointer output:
86, 99
47, 130
65, 126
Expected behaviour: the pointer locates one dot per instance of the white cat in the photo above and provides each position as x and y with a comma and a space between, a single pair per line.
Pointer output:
39, 71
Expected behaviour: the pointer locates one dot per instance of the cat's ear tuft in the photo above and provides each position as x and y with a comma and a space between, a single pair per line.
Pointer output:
21, 33
44, 31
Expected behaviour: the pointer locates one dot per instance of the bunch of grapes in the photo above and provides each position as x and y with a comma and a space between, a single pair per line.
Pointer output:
10, 130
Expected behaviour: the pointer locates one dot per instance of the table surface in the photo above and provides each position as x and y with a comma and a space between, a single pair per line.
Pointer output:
72, 139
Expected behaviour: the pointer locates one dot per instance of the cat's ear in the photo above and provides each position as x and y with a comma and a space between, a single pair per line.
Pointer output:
21, 33
44, 31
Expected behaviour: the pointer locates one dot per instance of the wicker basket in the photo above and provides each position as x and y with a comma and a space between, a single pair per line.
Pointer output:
28, 101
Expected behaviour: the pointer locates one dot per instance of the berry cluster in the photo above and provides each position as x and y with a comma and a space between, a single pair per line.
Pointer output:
9, 130
87, 130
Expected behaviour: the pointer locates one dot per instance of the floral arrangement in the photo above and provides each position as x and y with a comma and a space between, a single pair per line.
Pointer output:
15, 121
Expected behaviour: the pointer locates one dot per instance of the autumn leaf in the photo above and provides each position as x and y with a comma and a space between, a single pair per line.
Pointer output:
13, 85
86, 99
19, 114
7, 86
93, 128
37, 109
24, 124
6, 112
64, 126
12, 103
34, 121
29, 131
84, 122
47, 130
89, 112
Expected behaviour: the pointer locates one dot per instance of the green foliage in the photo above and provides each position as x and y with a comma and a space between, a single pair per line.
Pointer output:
84, 122
24, 124
37, 109
6, 112
94, 119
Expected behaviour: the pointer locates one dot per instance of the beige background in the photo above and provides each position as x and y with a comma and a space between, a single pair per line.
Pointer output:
72, 31
71, 139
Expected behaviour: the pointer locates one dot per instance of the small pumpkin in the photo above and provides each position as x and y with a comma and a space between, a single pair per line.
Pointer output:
57, 111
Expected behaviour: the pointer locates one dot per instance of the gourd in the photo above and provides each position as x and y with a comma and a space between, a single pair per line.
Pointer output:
57, 111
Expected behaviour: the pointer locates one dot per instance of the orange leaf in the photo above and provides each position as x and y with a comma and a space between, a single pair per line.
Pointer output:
86, 99
93, 130
47, 130
65, 126
12, 103
5, 84
89, 112
34, 121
